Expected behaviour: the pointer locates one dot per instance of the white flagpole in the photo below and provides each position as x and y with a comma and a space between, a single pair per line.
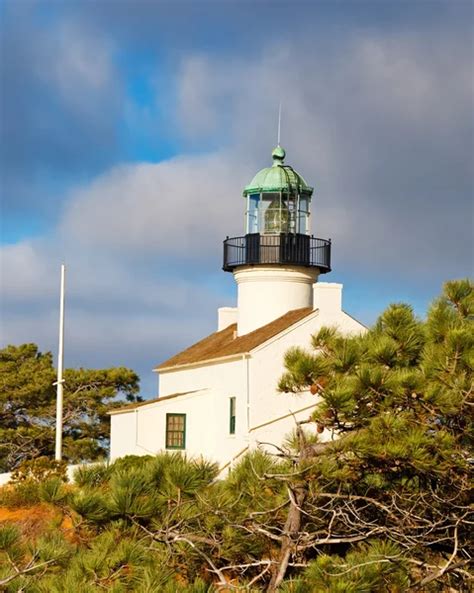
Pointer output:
60, 380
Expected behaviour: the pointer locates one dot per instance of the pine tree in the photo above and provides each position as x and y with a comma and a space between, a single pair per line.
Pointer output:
27, 406
398, 402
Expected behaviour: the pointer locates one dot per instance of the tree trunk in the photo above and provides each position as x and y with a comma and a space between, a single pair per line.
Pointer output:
292, 528
299, 492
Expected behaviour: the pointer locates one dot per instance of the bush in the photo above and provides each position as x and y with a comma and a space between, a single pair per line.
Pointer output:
38, 470
20, 495
53, 491
90, 505
92, 476
131, 462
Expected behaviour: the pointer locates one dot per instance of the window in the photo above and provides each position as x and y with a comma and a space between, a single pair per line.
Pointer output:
175, 431
274, 214
252, 213
303, 214
232, 415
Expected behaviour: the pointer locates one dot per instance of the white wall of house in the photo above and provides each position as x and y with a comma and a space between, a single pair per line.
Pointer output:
142, 430
222, 375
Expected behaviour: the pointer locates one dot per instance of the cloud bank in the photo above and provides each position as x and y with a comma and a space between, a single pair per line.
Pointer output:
379, 122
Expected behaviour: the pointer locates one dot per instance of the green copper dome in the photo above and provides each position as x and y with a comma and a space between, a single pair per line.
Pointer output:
277, 178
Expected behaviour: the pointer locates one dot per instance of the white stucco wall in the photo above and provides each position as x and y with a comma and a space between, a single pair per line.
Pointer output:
226, 316
221, 376
142, 431
265, 293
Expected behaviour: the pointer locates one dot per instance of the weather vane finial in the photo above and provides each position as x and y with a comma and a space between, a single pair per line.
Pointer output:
279, 123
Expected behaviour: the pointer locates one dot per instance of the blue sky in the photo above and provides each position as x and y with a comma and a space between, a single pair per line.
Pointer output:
130, 128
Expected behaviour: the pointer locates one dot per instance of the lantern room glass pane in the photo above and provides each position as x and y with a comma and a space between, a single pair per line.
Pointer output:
274, 216
252, 213
291, 204
272, 213
304, 203
303, 215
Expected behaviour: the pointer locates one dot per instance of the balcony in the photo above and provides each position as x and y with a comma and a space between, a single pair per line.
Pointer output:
283, 249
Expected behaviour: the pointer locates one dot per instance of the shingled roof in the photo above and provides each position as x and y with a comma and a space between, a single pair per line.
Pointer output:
224, 343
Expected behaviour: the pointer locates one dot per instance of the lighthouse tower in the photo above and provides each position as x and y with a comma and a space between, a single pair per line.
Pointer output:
277, 261
218, 397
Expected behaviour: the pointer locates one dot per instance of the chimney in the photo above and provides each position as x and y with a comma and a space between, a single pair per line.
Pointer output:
226, 316
327, 297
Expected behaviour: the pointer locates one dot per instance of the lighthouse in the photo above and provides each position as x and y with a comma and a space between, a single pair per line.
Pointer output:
218, 398
277, 262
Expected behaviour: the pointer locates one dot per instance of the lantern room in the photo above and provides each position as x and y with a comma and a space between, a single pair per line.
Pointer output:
277, 223
278, 200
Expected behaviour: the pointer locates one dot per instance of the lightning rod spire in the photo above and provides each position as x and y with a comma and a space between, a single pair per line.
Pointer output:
279, 123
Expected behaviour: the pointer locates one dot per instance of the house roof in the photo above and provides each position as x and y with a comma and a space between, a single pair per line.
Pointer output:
224, 343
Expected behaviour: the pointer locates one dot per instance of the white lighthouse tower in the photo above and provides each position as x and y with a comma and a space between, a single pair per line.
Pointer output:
219, 397
278, 261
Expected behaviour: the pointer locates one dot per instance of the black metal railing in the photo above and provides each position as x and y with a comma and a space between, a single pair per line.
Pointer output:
285, 248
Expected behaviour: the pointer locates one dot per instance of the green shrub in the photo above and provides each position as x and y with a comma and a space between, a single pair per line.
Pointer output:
19, 495
90, 505
38, 470
92, 476
53, 491
131, 462
9, 537
366, 569
23, 563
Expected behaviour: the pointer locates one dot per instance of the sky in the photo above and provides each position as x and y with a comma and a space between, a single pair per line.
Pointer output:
129, 129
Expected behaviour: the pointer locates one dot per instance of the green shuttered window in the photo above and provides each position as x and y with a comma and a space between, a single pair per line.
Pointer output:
175, 431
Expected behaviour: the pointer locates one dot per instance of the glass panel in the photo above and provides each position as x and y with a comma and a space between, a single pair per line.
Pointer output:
304, 203
303, 215
303, 222
274, 215
252, 213
292, 205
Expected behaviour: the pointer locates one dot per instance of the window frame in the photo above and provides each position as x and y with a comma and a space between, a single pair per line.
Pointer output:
168, 431
232, 414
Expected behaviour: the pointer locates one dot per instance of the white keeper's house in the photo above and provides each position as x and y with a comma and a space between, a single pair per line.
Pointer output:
219, 398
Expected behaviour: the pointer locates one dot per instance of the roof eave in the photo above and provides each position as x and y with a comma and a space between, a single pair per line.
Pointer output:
269, 189
156, 400
199, 363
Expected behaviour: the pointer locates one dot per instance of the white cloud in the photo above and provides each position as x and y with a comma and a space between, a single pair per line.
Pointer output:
181, 207
373, 125
23, 273
81, 67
